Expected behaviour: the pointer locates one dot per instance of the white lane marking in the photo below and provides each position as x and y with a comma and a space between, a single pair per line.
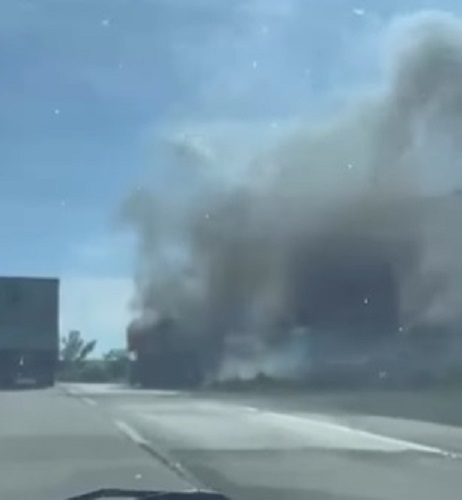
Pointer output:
169, 462
116, 389
251, 409
313, 429
131, 433
89, 401
385, 440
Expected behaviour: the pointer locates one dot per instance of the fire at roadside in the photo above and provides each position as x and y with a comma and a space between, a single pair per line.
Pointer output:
330, 258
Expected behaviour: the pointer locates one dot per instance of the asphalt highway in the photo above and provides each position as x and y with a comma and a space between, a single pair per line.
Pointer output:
286, 446
53, 446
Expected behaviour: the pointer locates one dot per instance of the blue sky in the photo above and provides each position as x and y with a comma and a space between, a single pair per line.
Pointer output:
88, 86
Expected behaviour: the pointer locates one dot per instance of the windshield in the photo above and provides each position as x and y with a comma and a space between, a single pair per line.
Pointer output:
231, 247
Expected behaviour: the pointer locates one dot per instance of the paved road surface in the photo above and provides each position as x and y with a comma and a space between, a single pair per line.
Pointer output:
53, 446
432, 405
263, 449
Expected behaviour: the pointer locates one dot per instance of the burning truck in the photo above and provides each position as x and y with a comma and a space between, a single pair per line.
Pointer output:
161, 356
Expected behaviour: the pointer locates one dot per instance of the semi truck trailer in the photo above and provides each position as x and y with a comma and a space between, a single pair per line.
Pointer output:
29, 339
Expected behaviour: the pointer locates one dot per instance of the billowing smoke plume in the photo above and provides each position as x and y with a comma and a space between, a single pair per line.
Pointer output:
254, 250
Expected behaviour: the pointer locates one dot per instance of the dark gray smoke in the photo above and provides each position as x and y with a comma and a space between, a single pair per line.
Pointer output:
249, 254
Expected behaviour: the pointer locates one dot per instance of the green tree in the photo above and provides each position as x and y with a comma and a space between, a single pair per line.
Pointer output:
116, 362
74, 356
74, 348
